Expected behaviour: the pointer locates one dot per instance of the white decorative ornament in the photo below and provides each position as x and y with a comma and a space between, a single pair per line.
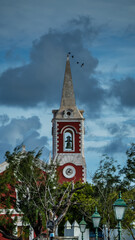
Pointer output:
68, 113
69, 171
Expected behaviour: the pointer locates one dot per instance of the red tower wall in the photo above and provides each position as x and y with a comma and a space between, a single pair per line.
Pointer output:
76, 178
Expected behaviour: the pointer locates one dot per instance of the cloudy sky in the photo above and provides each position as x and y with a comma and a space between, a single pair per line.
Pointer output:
35, 37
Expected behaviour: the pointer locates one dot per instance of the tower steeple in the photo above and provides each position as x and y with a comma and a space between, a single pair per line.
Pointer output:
68, 106
68, 96
68, 134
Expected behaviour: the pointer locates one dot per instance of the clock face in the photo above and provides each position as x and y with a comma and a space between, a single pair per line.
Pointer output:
69, 171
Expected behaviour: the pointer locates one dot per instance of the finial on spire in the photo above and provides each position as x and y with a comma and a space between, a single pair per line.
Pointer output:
67, 56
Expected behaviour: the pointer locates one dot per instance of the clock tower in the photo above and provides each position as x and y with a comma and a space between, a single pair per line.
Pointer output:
68, 134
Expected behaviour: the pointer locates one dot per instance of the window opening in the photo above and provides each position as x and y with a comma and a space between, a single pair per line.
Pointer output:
68, 138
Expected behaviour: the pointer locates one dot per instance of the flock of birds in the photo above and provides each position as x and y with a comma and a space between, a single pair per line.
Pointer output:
82, 64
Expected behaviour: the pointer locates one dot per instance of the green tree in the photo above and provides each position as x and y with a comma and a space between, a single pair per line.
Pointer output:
128, 172
107, 183
7, 203
129, 219
41, 198
83, 204
129, 169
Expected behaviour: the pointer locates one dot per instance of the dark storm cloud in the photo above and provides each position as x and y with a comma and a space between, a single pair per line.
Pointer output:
113, 128
117, 129
124, 91
85, 25
115, 146
22, 130
114, 143
19, 127
130, 122
117, 143
35, 141
41, 80
30, 140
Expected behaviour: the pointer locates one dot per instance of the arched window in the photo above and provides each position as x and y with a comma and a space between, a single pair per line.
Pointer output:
68, 140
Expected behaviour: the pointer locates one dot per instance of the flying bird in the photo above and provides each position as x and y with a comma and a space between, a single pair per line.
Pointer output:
77, 61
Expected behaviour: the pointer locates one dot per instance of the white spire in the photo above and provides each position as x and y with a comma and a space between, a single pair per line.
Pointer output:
68, 97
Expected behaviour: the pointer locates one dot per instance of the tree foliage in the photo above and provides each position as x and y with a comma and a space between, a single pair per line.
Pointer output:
40, 197
129, 219
129, 169
7, 203
83, 204
108, 182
